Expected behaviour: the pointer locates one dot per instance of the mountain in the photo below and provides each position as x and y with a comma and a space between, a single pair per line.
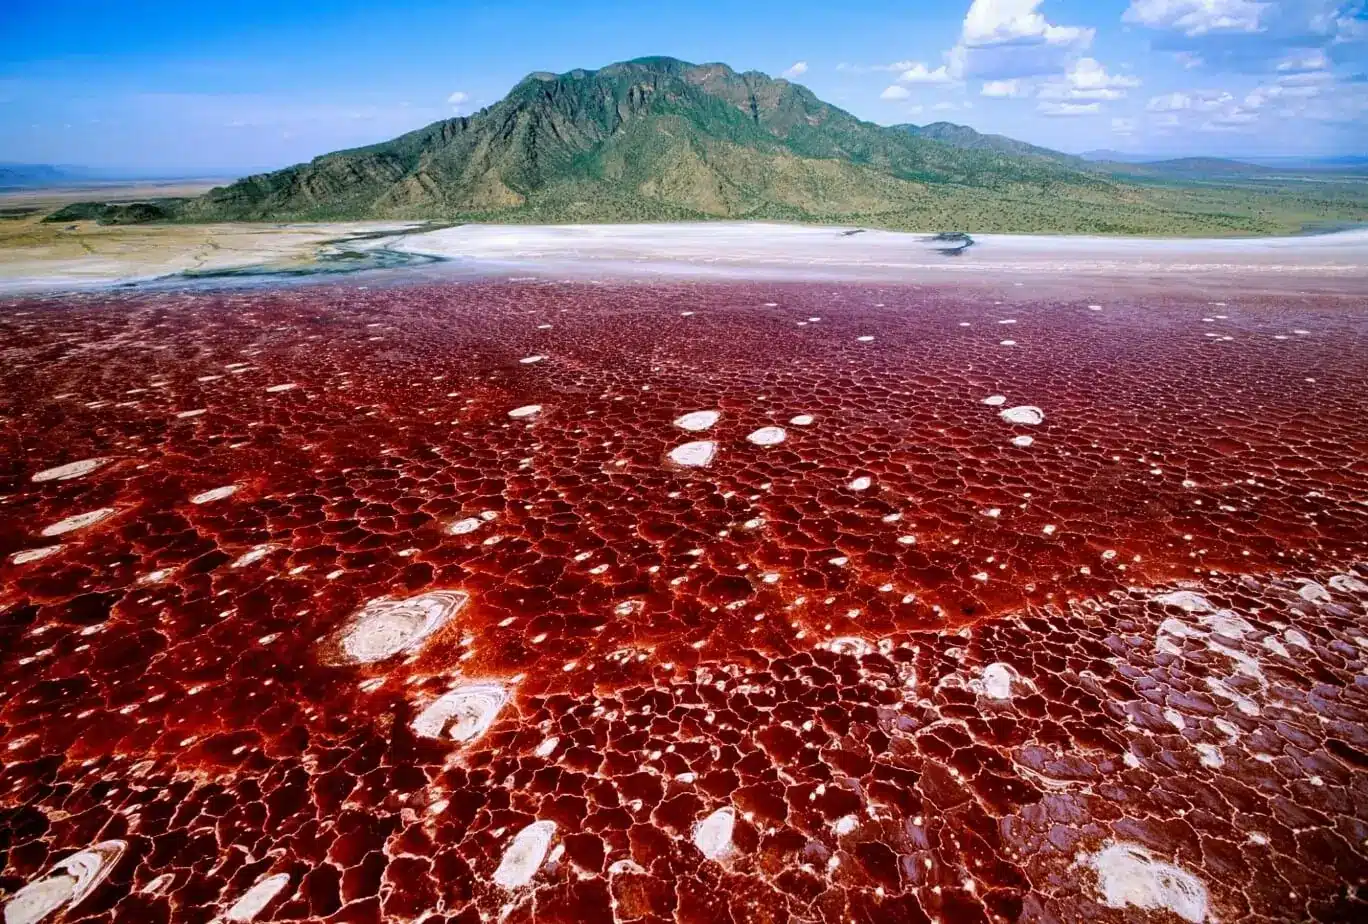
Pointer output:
659, 139
962, 136
32, 176
1117, 157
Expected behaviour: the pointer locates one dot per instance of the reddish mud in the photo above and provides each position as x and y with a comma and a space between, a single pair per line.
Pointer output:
453, 603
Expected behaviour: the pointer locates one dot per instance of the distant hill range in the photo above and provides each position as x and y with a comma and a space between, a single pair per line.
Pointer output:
962, 136
37, 176
661, 139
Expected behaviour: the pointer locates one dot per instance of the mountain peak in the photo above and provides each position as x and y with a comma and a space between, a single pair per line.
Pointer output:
658, 138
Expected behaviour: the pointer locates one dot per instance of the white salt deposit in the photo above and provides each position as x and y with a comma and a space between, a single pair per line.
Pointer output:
69, 471
255, 899
995, 400
1023, 442
1129, 875
28, 555
997, 681
768, 436
862, 483
79, 521
462, 527
1024, 414
845, 824
464, 714
66, 885
1186, 600
713, 835
1348, 584
802, 420
525, 855
279, 388
527, 410
217, 494
253, 555
387, 627
694, 455
529, 360
695, 421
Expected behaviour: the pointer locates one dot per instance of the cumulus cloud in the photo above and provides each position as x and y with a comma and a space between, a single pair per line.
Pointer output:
1194, 100
1003, 89
1068, 109
1014, 22
1005, 39
1198, 17
458, 99
1086, 79
920, 73
895, 92
798, 69
1124, 126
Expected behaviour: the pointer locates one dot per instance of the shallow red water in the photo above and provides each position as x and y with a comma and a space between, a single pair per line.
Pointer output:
911, 669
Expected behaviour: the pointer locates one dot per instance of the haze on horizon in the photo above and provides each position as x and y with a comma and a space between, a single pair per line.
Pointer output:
163, 89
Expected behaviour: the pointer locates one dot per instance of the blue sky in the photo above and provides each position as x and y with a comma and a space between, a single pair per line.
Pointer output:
163, 87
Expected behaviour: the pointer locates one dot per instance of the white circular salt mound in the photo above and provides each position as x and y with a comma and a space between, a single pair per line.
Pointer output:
1023, 442
695, 421
1128, 874
863, 483
464, 714
525, 855
713, 835
463, 527
386, 627
217, 494
255, 899
1024, 414
66, 885
527, 410
69, 471
694, 455
802, 420
768, 436
995, 400
79, 521
28, 555
997, 681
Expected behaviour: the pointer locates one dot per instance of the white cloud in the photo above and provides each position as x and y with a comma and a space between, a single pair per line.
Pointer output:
458, 99
1124, 126
1314, 60
1003, 89
1005, 39
1188, 60
1198, 17
1012, 22
920, 73
1069, 109
798, 69
1195, 101
1086, 79
895, 92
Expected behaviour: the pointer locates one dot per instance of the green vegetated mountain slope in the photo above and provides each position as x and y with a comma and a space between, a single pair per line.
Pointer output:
661, 139
962, 136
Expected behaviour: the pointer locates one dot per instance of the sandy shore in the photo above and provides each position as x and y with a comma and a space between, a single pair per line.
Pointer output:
37, 256
47, 257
